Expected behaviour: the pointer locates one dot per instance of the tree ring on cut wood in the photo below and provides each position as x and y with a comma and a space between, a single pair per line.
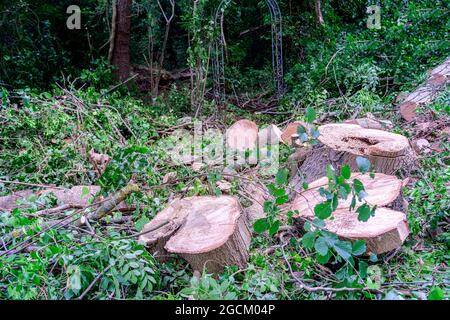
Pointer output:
208, 232
385, 231
383, 191
341, 144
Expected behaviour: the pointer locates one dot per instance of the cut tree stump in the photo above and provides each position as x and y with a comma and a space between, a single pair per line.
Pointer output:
242, 135
208, 232
291, 130
269, 136
386, 231
341, 144
383, 191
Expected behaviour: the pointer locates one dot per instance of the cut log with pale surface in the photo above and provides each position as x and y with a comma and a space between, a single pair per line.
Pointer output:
371, 122
242, 135
10, 202
292, 129
341, 144
208, 232
269, 136
383, 191
439, 77
385, 231
77, 196
73, 196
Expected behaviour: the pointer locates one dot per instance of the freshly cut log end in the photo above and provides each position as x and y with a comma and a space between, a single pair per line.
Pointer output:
341, 144
208, 232
164, 225
383, 191
242, 135
364, 142
291, 130
386, 231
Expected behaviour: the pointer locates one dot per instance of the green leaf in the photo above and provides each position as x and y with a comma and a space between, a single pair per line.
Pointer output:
373, 257
359, 247
343, 249
358, 186
363, 212
321, 246
274, 227
282, 200
308, 240
346, 172
335, 202
331, 173
84, 192
282, 177
344, 190
436, 294
310, 115
276, 192
301, 130
141, 222
261, 225
362, 268
323, 259
353, 203
315, 133
363, 164
323, 210
305, 186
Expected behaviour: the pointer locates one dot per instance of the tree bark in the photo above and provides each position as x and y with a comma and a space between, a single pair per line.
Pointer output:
319, 13
119, 54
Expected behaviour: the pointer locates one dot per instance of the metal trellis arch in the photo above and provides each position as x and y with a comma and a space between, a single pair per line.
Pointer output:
219, 44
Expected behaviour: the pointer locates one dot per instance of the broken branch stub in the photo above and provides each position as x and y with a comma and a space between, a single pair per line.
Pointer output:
208, 232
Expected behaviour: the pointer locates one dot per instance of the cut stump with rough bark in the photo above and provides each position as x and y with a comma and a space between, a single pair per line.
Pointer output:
341, 144
385, 231
242, 135
208, 232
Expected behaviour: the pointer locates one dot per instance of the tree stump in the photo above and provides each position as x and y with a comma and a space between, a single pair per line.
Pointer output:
208, 232
292, 129
242, 135
385, 231
341, 144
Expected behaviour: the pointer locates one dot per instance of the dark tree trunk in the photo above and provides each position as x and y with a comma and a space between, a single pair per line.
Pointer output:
319, 13
119, 53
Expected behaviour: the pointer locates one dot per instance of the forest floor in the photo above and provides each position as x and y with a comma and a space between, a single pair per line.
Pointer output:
47, 141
